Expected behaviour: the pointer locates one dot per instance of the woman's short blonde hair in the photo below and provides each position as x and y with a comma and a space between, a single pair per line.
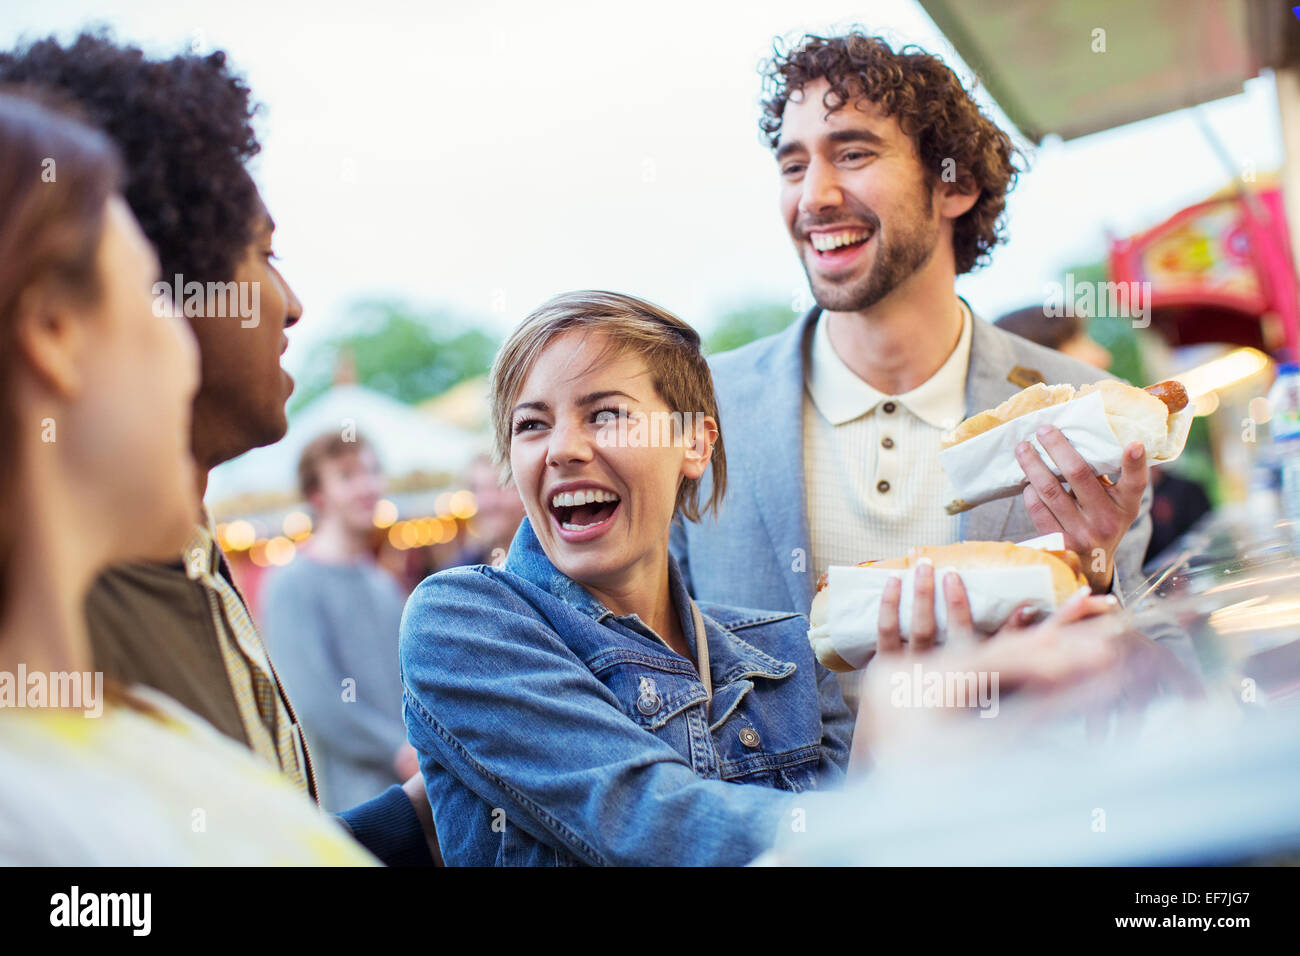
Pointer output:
669, 347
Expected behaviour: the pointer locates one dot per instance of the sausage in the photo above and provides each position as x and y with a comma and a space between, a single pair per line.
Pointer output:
826, 575
1171, 393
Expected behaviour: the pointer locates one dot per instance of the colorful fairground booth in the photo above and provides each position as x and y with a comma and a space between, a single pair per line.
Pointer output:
1220, 285
1218, 271
1222, 272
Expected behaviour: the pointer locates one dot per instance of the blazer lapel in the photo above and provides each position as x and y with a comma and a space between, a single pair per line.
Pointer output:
780, 435
991, 359
784, 517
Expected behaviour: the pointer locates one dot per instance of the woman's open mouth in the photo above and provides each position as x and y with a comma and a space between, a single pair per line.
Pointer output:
583, 514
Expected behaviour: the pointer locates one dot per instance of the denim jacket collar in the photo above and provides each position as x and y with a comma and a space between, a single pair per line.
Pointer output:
528, 559
731, 657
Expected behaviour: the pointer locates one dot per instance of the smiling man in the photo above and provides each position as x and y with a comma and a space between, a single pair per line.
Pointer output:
891, 184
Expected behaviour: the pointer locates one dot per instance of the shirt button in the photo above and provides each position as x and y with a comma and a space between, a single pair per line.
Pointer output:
887, 442
749, 737
882, 486
889, 408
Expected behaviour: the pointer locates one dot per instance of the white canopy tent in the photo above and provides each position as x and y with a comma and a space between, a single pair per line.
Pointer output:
406, 440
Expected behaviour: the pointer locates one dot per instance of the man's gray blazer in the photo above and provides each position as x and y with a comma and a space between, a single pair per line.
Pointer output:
757, 553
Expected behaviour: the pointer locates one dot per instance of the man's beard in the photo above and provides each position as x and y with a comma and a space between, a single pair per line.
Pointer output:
897, 259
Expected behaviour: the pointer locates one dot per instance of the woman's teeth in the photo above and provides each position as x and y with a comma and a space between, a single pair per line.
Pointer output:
586, 497
593, 505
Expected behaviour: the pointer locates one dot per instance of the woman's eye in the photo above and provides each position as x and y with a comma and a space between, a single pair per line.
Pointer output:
794, 169
525, 424
607, 416
857, 156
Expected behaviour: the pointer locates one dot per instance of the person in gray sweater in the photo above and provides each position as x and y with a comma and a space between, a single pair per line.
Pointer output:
331, 619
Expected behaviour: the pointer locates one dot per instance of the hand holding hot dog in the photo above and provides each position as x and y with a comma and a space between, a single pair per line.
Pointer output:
1070, 645
1095, 513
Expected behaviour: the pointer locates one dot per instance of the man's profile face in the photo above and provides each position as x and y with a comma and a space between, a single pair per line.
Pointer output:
241, 402
855, 199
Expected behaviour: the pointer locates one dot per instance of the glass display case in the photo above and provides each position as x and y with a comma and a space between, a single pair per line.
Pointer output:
1197, 761
1232, 586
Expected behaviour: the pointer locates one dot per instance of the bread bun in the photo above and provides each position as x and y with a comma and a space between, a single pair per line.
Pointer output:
820, 637
999, 554
1028, 400
1134, 414
1063, 565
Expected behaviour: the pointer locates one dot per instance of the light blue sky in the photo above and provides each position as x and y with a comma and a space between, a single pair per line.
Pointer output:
486, 156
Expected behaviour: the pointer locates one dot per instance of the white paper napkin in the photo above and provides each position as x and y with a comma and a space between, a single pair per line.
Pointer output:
984, 468
854, 600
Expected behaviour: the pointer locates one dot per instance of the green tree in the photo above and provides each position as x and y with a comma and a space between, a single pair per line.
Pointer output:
1114, 332
742, 326
398, 351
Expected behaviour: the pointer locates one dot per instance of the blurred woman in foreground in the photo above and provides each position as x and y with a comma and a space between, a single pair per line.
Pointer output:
95, 392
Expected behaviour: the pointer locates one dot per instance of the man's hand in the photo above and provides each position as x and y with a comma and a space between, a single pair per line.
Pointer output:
1094, 515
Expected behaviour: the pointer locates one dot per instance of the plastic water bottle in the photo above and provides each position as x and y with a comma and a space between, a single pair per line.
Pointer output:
1284, 427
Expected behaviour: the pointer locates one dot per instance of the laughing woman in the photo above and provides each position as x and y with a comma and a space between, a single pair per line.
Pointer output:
575, 705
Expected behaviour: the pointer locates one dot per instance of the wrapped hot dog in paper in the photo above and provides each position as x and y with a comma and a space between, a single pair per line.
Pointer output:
984, 468
845, 616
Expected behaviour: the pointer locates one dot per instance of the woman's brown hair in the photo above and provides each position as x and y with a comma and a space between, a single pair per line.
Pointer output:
56, 176
669, 346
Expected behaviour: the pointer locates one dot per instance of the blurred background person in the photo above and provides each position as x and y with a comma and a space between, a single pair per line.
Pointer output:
95, 393
1176, 505
497, 519
331, 619
1068, 334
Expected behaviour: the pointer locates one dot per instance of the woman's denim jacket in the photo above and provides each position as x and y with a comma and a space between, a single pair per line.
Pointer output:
553, 732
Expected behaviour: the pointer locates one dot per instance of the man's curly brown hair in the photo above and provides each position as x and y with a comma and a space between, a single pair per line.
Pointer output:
184, 129
931, 106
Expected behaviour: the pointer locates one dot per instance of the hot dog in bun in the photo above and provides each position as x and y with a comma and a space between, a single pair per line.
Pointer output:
1134, 414
1066, 578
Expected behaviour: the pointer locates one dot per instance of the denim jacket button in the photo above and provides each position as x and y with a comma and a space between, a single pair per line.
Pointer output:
749, 737
648, 700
